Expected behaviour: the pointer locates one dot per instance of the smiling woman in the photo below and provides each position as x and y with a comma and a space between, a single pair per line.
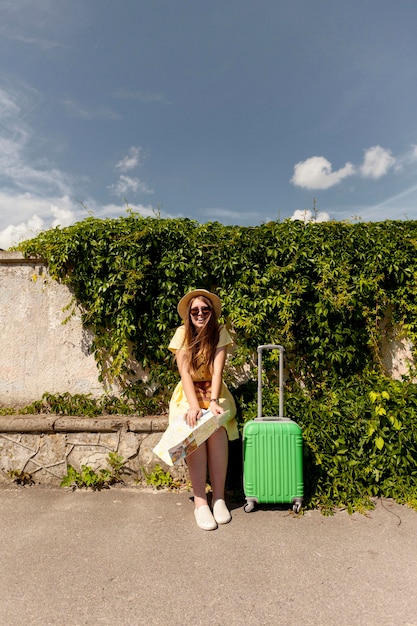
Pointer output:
200, 347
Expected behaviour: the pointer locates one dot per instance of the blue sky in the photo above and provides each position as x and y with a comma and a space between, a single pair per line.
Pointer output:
239, 111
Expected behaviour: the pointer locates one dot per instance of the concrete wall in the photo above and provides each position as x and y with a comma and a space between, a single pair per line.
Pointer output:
38, 352
396, 349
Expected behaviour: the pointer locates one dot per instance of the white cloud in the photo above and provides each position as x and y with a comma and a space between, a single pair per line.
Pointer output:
63, 217
126, 185
34, 194
132, 160
32, 214
308, 216
114, 210
15, 207
16, 140
316, 173
12, 235
20, 20
7, 106
376, 163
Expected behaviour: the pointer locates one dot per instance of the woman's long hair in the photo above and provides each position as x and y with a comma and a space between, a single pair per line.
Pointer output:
201, 343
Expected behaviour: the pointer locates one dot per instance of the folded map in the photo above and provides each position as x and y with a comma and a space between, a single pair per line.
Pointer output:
179, 440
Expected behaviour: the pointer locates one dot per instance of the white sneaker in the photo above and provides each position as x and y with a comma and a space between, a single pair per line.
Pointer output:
204, 518
221, 512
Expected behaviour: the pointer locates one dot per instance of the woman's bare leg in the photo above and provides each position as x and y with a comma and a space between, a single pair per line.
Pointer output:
217, 455
197, 468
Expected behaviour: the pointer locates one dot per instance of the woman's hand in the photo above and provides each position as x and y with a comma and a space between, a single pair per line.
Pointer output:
192, 415
215, 408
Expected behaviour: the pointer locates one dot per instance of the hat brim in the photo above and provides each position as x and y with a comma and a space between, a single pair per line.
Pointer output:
183, 303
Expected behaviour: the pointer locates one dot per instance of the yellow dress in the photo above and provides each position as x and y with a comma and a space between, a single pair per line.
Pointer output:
179, 404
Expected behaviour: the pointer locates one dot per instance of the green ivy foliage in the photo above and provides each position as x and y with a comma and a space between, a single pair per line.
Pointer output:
328, 292
91, 479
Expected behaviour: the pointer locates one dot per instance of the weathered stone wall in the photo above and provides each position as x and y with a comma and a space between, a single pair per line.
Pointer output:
44, 446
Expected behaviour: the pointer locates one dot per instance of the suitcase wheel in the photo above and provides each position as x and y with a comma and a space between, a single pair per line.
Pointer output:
296, 507
249, 506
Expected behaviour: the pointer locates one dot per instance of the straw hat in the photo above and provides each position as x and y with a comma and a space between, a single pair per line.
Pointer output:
183, 303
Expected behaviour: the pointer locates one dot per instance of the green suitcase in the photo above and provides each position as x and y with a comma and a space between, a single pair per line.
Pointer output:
272, 452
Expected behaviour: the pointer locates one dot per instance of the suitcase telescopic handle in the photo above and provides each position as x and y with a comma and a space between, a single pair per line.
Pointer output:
260, 349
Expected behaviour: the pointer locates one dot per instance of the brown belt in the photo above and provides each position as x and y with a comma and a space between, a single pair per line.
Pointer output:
203, 392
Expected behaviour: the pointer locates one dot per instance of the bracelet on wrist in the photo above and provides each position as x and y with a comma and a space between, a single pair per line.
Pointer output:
214, 400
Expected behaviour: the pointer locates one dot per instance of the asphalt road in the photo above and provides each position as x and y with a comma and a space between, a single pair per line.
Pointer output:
126, 556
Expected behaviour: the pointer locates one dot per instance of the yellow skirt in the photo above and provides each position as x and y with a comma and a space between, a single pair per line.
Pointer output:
178, 404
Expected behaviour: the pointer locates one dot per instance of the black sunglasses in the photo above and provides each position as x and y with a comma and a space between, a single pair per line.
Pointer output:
205, 310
